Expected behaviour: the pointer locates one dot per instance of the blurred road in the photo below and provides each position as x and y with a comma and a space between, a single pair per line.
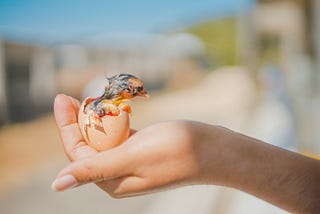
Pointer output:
30, 156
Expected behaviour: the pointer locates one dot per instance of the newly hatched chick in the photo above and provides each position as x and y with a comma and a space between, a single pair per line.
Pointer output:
121, 87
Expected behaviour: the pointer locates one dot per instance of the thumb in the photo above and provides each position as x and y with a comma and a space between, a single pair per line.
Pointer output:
104, 166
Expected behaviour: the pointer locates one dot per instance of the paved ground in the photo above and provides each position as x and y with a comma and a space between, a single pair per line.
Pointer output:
30, 156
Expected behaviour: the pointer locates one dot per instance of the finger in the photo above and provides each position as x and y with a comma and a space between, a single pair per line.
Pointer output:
75, 103
66, 110
105, 166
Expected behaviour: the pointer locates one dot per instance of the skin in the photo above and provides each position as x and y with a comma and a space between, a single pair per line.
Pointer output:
172, 154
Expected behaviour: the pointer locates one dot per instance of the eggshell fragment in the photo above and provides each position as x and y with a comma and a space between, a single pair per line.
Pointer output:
114, 131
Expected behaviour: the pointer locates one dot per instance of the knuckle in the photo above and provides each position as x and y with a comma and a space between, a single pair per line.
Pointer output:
87, 173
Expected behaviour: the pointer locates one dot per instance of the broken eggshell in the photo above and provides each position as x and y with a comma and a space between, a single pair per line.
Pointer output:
114, 130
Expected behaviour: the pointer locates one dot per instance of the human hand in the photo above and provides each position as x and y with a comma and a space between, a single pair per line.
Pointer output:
171, 154
157, 157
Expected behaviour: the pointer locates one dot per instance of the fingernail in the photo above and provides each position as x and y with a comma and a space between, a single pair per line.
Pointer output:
63, 183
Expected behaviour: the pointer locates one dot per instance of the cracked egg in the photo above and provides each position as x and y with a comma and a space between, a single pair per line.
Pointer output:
104, 121
109, 132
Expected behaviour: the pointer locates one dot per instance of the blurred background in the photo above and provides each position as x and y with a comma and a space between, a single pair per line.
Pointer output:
249, 65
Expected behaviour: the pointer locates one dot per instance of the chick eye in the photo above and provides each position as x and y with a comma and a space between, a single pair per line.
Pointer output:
139, 88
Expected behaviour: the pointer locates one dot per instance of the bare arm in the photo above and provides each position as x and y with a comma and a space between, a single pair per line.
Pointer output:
286, 179
171, 154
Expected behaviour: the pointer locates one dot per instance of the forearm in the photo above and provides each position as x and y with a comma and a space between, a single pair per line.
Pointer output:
283, 178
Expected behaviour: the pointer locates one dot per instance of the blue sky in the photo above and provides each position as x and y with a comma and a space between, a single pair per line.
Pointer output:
54, 21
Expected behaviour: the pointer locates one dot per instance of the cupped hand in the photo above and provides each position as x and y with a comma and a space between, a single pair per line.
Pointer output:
171, 154
160, 156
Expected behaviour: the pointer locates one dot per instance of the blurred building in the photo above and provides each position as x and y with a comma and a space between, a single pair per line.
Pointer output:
3, 94
31, 74
26, 73
285, 33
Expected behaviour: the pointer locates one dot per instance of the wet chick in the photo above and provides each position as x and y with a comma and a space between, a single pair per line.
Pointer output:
121, 87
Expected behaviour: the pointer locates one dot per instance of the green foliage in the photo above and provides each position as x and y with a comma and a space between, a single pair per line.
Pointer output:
219, 38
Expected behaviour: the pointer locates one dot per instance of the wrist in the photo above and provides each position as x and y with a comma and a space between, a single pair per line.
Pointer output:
214, 153
225, 157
